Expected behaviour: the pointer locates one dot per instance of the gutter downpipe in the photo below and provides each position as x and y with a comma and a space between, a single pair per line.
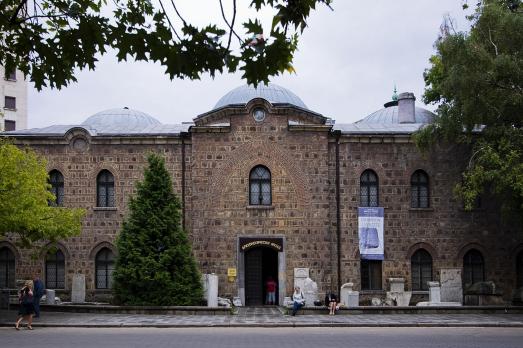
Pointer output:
338, 212
183, 179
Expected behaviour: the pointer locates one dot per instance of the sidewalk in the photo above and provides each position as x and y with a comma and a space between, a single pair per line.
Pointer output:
267, 317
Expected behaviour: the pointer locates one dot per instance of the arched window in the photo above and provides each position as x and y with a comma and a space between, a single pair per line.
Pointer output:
7, 268
104, 263
519, 269
419, 190
56, 179
105, 189
421, 269
473, 267
260, 186
369, 186
55, 270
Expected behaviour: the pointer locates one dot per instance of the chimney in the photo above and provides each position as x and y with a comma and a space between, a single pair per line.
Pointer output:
406, 110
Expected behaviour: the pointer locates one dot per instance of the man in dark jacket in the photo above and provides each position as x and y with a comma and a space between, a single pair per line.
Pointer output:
38, 292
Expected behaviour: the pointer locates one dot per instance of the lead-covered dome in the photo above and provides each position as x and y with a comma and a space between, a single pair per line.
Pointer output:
389, 115
120, 120
272, 93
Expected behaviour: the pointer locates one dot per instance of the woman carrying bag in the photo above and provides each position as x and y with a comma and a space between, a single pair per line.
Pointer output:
26, 310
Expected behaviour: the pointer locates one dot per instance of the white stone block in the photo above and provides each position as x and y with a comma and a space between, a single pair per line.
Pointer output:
78, 290
212, 290
451, 288
50, 295
397, 284
349, 297
434, 292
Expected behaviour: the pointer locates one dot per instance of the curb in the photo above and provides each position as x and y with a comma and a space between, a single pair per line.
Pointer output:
275, 325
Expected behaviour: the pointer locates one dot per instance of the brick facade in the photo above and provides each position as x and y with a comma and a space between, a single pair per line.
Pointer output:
300, 150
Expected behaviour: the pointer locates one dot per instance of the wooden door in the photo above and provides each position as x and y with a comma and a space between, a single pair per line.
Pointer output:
253, 277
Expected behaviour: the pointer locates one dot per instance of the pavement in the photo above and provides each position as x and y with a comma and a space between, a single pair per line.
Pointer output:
266, 317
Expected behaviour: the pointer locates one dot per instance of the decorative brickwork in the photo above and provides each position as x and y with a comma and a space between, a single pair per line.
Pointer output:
299, 149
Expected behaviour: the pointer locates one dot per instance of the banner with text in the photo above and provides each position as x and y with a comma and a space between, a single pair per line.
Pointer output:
370, 233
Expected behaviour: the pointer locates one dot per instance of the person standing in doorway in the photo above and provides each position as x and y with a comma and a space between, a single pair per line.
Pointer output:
270, 289
38, 292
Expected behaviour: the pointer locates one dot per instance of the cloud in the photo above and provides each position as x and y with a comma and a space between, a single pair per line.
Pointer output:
347, 64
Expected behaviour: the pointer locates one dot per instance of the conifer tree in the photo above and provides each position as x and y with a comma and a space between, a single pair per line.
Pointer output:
155, 265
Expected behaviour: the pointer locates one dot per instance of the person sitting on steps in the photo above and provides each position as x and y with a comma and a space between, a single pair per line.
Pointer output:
331, 301
298, 300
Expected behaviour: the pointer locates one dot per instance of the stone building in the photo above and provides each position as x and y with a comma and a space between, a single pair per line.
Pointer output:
13, 95
269, 186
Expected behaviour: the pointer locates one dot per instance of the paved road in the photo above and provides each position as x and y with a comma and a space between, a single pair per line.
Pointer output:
264, 337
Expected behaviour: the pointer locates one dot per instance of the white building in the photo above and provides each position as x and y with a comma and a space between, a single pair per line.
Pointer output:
13, 100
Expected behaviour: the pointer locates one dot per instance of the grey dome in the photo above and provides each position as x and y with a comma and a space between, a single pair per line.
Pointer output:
120, 120
272, 93
389, 115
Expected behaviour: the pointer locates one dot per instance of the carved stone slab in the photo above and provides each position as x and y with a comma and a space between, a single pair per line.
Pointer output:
78, 290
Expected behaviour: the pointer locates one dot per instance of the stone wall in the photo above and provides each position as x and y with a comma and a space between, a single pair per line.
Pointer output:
126, 161
221, 150
299, 165
444, 229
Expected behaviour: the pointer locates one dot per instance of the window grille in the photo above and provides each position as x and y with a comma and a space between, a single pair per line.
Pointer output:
56, 179
421, 269
55, 270
104, 268
105, 189
419, 190
369, 189
260, 186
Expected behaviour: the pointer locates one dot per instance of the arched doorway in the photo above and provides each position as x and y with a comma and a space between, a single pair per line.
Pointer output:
258, 259
260, 264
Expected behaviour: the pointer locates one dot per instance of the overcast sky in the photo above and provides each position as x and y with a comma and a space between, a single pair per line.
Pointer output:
346, 67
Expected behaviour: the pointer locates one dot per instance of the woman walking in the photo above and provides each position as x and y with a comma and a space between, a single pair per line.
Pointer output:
26, 310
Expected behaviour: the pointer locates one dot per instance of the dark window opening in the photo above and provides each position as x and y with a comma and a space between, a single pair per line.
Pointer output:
10, 75
260, 186
10, 103
369, 188
473, 268
419, 190
104, 269
55, 270
7, 268
421, 269
105, 189
56, 180
370, 275
9, 125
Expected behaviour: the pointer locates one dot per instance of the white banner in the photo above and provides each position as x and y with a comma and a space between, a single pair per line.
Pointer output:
370, 233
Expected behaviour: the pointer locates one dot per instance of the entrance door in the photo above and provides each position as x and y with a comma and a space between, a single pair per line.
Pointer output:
260, 264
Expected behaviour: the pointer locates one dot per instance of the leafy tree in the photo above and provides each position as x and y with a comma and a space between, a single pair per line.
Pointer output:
25, 197
155, 265
476, 79
49, 39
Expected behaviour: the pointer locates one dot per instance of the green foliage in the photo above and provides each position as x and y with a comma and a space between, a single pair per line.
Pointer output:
476, 79
49, 39
155, 265
24, 197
